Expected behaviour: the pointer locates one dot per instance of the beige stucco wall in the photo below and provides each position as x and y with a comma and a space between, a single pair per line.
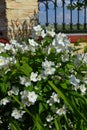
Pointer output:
16, 14
21, 9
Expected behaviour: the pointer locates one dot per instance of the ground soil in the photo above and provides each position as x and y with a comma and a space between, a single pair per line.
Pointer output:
80, 46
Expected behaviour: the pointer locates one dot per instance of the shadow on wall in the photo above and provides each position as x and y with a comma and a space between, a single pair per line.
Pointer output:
3, 20
22, 29
15, 29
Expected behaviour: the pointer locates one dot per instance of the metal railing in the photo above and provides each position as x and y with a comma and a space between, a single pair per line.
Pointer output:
73, 14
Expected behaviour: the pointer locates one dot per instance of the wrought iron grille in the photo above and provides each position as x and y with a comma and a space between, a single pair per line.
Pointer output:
71, 27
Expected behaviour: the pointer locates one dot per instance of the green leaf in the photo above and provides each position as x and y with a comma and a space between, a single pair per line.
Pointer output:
14, 125
38, 124
77, 111
71, 106
39, 60
40, 108
4, 54
85, 49
22, 105
3, 87
57, 124
64, 85
25, 59
26, 69
66, 100
77, 95
47, 41
70, 66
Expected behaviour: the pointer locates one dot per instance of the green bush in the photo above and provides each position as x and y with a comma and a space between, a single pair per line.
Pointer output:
43, 84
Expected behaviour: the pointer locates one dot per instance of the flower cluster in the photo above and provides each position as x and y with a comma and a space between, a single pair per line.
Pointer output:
43, 83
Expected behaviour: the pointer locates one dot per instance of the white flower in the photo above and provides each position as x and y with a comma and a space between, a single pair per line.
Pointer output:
32, 49
85, 58
43, 34
25, 49
78, 59
2, 48
28, 98
4, 101
51, 33
74, 81
62, 38
39, 77
13, 42
14, 91
47, 64
24, 98
37, 28
50, 102
14, 51
22, 80
49, 71
3, 61
49, 118
1, 120
8, 70
61, 111
59, 47
33, 77
18, 46
49, 50
82, 89
65, 58
58, 65
55, 97
25, 81
12, 60
17, 113
8, 47
85, 79
32, 42
61, 43
32, 97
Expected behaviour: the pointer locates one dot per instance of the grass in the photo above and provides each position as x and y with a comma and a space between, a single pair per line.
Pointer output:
67, 28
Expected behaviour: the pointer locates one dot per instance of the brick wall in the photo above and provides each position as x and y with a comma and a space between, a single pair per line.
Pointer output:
16, 17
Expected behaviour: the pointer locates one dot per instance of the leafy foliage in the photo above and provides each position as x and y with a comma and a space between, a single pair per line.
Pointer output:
43, 84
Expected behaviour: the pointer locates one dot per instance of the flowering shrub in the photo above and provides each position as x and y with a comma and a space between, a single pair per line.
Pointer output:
43, 84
